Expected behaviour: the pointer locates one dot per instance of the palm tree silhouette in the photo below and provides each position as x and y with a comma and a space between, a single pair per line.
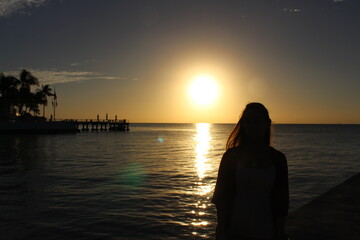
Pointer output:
9, 95
42, 94
16, 92
26, 97
33, 104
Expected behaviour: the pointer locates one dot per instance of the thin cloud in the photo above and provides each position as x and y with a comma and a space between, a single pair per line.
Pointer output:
58, 77
85, 62
114, 78
338, 1
75, 64
10, 7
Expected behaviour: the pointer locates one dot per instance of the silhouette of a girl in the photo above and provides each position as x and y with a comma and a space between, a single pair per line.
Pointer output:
251, 193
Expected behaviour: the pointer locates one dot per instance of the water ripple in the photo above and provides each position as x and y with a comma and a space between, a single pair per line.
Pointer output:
131, 185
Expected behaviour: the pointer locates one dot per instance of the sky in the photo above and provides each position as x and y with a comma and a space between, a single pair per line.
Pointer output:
137, 58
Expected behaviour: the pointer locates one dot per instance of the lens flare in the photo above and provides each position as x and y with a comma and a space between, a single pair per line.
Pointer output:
133, 175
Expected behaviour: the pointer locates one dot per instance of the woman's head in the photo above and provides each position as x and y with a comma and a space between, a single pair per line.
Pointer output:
254, 126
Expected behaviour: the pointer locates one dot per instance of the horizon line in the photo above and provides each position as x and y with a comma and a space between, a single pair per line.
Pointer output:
236, 123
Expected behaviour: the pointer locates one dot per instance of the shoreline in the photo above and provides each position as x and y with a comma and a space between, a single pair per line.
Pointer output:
334, 214
38, 127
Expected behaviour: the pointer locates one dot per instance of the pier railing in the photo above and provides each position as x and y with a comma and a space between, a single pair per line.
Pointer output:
86, 125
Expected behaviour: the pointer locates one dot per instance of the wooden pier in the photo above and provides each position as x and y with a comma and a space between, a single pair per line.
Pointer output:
101, 125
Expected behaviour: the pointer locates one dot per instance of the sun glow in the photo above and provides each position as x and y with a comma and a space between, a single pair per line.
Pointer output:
203, 90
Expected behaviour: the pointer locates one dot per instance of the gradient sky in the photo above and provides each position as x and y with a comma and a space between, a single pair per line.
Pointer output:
136, 58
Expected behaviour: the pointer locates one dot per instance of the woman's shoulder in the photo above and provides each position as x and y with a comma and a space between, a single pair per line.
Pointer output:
279, 156
231, 154
233, 151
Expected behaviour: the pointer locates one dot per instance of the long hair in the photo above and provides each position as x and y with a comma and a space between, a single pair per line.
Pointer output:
238, 136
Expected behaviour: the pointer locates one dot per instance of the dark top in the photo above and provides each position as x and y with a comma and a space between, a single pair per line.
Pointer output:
225, 189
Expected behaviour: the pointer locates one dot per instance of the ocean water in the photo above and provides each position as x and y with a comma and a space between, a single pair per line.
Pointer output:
153, 182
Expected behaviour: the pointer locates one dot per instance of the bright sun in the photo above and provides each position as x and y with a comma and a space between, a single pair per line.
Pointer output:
203, 90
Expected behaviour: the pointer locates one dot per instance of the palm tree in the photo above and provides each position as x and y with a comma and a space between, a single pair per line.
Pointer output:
9, 95
17, 92
26, 81
33, 105
43, 93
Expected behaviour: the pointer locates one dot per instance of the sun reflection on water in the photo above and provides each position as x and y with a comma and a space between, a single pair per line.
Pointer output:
202, 148
203, 187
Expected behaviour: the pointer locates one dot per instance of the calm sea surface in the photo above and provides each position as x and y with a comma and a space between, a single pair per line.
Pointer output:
153, 182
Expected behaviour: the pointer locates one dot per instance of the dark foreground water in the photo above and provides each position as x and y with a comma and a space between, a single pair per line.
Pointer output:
154, 182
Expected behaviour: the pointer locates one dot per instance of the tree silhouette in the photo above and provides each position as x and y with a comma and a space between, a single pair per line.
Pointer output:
42, 94
26, 96
9, 95
16, 93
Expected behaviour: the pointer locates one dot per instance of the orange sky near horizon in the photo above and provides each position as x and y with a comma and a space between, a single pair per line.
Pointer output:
162, 95
144, 101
